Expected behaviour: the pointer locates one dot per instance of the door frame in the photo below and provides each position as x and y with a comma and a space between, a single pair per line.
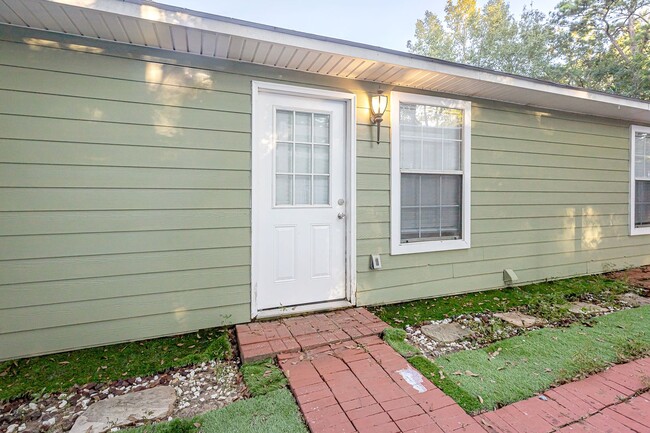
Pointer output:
350, 192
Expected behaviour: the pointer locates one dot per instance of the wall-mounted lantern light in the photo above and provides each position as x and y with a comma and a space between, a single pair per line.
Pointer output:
378, 104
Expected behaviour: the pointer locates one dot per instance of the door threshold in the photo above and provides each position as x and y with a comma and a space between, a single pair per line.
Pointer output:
300, 309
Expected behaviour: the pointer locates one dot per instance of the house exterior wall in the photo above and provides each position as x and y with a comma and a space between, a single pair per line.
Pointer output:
125, 195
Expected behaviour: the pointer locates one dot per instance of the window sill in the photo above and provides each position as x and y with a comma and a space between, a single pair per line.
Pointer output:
636, 231
398, 248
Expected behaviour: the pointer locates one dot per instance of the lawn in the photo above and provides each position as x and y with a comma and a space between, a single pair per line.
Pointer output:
274, 412
519, 367
59, 372
262, 377
543, 300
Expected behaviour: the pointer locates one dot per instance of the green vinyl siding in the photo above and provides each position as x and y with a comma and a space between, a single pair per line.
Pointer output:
125, 200
549, 200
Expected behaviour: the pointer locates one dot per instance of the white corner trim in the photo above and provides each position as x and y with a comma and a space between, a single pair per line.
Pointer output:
396, 247
351, 195
635, 231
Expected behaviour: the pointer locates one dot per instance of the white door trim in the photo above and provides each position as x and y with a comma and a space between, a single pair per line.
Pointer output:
350, 181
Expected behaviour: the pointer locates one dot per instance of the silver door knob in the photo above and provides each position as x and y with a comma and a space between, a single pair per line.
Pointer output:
341, 215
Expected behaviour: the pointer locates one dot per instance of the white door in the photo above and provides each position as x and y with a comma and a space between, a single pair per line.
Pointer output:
299, 200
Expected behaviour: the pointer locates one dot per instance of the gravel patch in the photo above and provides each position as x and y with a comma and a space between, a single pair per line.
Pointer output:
486, 328
200, 388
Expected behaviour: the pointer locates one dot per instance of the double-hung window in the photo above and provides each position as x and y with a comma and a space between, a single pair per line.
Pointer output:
640, 181
430, 173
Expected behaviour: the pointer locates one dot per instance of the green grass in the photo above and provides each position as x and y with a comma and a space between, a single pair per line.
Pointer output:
396, 339
59, 372
274, 412
544, 299
263, 377
519, 367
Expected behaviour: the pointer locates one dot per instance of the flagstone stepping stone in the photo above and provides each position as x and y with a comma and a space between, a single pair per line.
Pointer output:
148, 405
634, 300
520, 320
445, 332
586, 308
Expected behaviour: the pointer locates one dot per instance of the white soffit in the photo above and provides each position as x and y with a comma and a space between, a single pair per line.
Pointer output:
169, 28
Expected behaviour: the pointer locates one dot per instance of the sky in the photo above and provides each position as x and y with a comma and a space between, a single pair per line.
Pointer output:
384, 23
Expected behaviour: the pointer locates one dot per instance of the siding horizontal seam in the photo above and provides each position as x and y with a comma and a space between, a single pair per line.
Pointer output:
109, 122
152, 104
578, 228
487, 148
125, 209
242, 245
135, 274
127, 188
126, 318
107, 77
491, 163
524, 112
244, 225
244, 287
144, 147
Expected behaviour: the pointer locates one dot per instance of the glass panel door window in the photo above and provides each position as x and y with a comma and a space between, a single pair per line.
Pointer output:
430, 146
640, 179
302, 158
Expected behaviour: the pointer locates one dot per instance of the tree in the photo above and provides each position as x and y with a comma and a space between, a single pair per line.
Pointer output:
489, 37
597, 44
605, 45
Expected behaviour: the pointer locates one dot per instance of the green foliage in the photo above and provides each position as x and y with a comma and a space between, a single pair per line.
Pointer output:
488, 37
553, 308
263, 377
396, 338
446, 384
598, 44
275, 412
519, 367
59, 372
178, 425
605, 45
546, 299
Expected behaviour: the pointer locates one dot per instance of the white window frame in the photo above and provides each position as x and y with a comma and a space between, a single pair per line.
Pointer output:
634, 231
396, 246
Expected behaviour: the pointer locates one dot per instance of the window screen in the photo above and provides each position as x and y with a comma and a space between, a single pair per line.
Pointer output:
642, 179
431, 172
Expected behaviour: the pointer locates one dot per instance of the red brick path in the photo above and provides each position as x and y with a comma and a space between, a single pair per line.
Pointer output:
590, 405
347, 380
261, 340
356, 386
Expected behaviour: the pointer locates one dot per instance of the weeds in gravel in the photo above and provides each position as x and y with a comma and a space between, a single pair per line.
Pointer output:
554, 309
539, 296
58, 372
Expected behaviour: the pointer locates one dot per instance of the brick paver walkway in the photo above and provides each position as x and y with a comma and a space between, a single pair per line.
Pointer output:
362, 386
261, 340
347, 380
596, 404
